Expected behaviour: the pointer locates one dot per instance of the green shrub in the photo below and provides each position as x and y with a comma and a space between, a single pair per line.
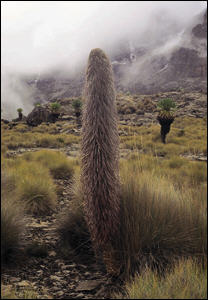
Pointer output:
77, 104
55, 106
166, 104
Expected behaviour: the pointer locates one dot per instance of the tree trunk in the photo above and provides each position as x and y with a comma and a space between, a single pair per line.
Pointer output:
165, 124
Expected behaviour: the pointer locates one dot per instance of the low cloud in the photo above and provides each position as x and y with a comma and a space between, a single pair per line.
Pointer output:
40, 36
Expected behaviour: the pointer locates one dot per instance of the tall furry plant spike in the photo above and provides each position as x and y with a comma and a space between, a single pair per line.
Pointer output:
99, 150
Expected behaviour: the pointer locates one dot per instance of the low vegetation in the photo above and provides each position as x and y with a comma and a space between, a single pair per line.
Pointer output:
9, 292
160, 223
163, 202
186, 281
59, 165
12, 227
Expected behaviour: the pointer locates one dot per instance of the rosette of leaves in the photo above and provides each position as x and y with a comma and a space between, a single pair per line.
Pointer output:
55, 109
166, 116
77, 106
19, 110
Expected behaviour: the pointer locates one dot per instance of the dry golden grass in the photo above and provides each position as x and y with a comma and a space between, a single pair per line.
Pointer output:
160, 221
31, 184
147, 139
12, 225
59, 165
186, 281
10, 292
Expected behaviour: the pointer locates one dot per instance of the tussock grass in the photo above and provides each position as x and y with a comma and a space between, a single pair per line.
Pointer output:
186, 281
187, 136
72, 228
176, 162
39, 138
31, 184
159, 222
9, 292
182, 172
12, 227
59, 165
8, 183
35, 188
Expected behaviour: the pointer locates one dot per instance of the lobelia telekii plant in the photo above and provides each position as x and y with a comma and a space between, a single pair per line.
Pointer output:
99, 156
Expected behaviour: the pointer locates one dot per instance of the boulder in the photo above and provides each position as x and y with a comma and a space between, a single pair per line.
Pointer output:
38, 115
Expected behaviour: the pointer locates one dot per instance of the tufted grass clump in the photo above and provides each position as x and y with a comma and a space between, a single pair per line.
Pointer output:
186, 281
34, 187
11, 292
59, 165
176, 162
12, 227
72, 228
159, 223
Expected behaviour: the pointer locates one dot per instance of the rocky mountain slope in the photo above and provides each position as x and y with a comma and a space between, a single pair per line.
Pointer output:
177, 62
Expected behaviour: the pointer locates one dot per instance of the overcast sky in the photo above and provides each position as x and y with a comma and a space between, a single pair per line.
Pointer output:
37, 35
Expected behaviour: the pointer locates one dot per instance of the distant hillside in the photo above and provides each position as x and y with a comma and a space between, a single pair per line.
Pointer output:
178, 62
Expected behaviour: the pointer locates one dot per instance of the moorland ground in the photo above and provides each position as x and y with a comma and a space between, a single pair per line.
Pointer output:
46, 250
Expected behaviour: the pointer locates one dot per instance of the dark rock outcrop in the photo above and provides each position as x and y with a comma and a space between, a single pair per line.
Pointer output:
200, 30
21, 118
38, 115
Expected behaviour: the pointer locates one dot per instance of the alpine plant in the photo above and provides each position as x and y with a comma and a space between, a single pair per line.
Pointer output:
99, 152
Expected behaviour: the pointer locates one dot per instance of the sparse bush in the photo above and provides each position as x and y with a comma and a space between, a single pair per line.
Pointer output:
55, 106
77, 105
37, 104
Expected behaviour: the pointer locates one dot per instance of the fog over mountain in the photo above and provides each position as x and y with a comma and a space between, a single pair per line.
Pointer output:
45, 45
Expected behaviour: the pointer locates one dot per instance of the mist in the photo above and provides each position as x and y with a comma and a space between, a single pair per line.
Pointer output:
41, 36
